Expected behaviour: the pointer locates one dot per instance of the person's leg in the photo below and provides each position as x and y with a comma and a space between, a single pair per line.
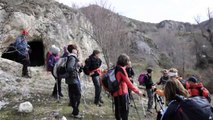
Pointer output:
77, 95
117, 108
150, 99
59, 88
125, 107
97, 85
70, 94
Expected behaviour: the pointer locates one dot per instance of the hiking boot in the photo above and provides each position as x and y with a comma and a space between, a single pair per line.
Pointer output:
61, 95
101, 101
26, 76
78, 116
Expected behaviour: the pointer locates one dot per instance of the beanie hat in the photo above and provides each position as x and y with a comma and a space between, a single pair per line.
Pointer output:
24, 32
193, 79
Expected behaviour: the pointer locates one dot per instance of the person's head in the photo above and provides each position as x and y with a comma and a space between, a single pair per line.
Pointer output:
149, 70
123, 60
172, 88
192, 80
165, 72
173, 73
72, 48
24, 32
55, 50
129, 64
96, 53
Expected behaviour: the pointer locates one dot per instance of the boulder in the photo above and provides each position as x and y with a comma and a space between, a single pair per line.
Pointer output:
25, 107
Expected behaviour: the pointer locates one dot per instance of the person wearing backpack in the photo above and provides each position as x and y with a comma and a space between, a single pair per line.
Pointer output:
23, 52
52, 60
196, 88
121, 98
149, 88
73, 79
181, 107
95, 72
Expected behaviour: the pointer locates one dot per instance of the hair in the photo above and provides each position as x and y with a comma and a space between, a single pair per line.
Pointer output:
123, 60
95, 52
149, 70
71, 47
172, 88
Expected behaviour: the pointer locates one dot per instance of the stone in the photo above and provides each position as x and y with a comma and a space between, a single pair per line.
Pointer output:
25, 107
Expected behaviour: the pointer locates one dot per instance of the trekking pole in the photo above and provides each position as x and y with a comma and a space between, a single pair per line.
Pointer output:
144, 112
136, 108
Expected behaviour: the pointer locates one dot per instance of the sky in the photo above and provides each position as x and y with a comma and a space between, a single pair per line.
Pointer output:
155, 11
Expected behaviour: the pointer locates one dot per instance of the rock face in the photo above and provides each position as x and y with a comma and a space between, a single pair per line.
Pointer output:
48, 22
25, 107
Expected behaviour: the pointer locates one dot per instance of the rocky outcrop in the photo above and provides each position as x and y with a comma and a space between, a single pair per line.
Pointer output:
47, 21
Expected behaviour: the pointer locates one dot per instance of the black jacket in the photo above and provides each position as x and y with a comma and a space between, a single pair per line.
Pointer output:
130, 72
148, 81
94, 62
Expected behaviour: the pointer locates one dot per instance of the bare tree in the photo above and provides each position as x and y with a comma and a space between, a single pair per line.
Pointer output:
109, 31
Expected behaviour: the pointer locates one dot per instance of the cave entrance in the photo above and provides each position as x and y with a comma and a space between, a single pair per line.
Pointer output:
37, 53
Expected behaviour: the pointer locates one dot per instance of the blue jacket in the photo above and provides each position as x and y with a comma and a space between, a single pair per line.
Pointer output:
21, 45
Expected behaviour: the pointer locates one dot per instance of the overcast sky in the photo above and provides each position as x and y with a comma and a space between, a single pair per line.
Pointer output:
155, 10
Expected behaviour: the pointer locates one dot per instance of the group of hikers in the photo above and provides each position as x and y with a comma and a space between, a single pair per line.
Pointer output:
171, 87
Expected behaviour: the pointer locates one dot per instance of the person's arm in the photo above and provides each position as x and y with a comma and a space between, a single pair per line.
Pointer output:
126, 79
132, 72
71, 64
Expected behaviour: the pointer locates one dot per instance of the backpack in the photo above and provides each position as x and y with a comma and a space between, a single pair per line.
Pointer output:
141, 79
86, 68
193, 108
109, 81
60, 68
47, 59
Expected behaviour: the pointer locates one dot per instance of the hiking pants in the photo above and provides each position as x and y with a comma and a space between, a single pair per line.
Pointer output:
55, 87
24, 60
74, 91
97, 85
121, 107
150, 98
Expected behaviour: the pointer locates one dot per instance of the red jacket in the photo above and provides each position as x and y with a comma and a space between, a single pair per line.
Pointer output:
125, 83
197, 89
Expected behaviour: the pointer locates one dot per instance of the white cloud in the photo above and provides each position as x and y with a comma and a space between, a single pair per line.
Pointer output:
155, 10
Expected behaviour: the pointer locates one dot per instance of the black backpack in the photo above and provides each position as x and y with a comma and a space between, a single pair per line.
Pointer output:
86, 68
193, 108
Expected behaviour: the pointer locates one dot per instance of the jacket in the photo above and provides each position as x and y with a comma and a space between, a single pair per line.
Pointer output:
148, 81
125, 83
21, 45
72, 70
95, 64
163, 80
197, 89
130, 72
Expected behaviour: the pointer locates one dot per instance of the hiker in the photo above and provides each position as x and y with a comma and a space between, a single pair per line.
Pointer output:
23, 52
172, 88
73, 80
164, 78
130, 73
196, 88
121, 98
95, 72
149, 88
53, 57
